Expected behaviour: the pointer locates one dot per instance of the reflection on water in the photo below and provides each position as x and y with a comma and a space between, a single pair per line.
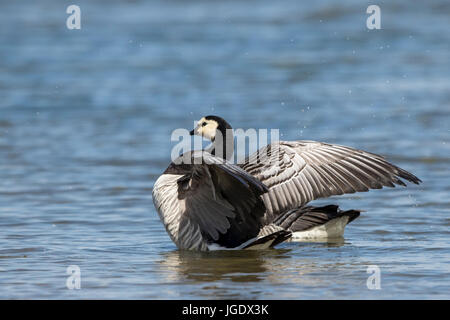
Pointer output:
274, 266
239, 266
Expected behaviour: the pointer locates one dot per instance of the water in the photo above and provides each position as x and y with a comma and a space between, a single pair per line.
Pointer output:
86, 117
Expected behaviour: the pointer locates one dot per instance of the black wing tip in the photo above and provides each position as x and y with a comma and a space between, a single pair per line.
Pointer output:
256, 185
407, 176
351, 214
283, 235
264, 188
260, 186
244, 177
277, 237
335, 212
416, 180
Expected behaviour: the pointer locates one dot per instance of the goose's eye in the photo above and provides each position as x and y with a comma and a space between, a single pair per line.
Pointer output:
203, 124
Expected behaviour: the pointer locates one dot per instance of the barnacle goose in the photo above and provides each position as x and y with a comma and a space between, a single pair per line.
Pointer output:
205, 202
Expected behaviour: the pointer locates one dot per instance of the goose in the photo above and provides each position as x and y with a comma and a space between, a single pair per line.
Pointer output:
206, 202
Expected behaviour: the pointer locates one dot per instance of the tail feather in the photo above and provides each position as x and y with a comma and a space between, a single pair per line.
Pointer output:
302, 224
321, 222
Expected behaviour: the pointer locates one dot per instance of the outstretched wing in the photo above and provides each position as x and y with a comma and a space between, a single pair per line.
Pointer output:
297, 172
215, 202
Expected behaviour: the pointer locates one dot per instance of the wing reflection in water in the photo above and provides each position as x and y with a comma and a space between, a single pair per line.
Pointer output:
242, 274
237, 266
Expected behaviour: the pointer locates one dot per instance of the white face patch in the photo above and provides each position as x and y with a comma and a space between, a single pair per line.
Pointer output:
206, 128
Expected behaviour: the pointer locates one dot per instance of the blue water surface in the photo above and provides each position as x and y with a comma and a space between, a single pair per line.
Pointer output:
86, 117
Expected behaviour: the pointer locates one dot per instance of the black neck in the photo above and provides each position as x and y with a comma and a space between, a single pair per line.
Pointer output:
223, 144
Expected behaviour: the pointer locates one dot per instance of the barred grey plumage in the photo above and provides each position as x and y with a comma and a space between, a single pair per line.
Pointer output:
302, 171
205, 202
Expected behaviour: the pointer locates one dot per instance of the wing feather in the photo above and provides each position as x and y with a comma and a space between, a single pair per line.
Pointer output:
209, 200
297, 172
